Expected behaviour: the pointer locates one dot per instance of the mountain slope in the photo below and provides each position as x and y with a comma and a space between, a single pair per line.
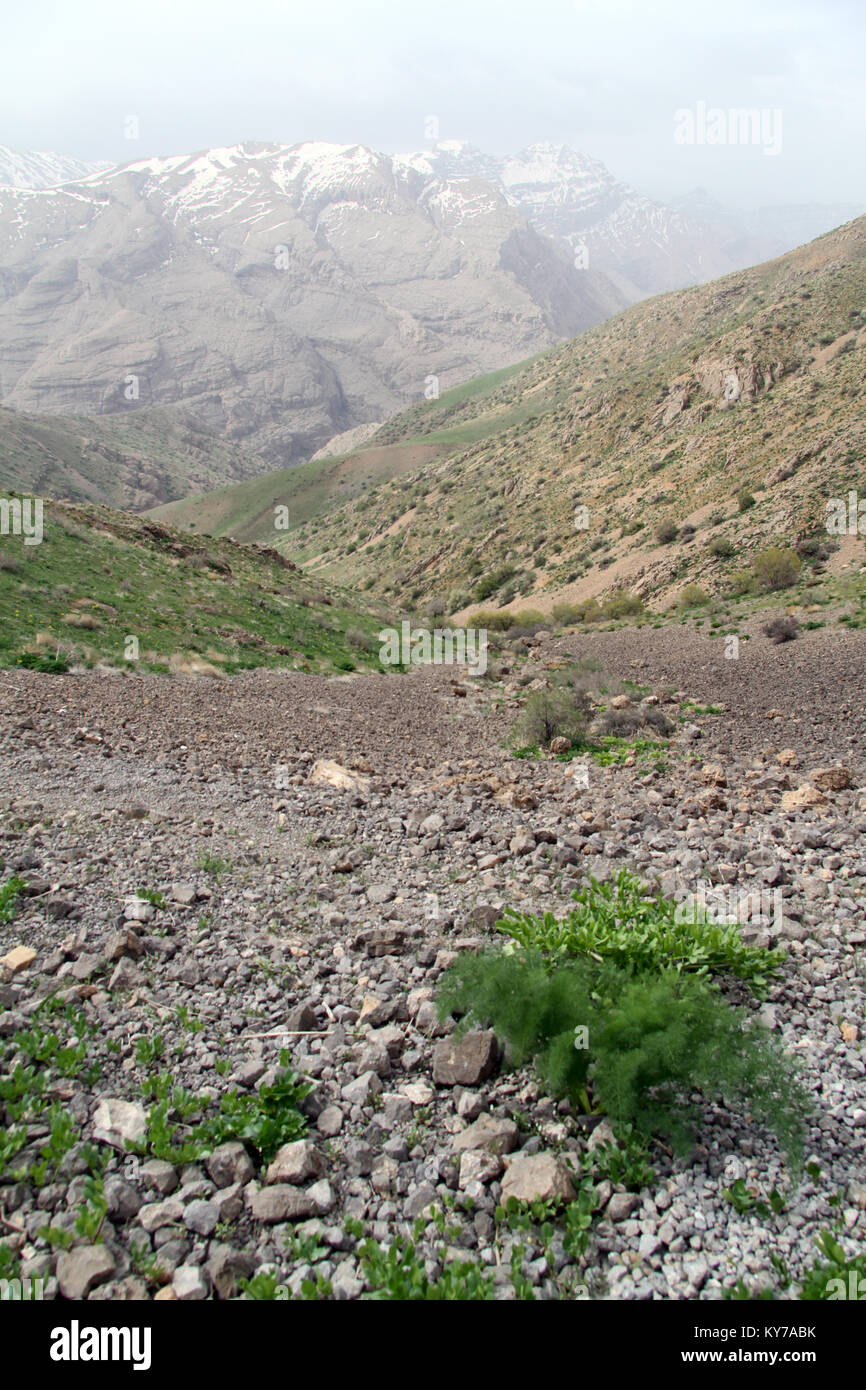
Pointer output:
40, 169
132, 461
283, 295
101, 577
661, 415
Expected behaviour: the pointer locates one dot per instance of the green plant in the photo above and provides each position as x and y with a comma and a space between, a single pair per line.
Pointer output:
152, 896
692, 596
837, 1276
745, 500
263, 1119
622, 604
263, 1286
744, 1199
550, 714
644, 1042
636, 929
10, 893
212, 864
149, 1050
776, 568
91, 1213
397, 1272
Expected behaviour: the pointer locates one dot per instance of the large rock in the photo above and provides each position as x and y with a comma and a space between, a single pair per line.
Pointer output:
537, 1178
17, 959
296, 1162
327, 773
229, 1163
281, 1202
465, 1061
831, 779
493, 1135
116, 1121
81, 1269
804, 798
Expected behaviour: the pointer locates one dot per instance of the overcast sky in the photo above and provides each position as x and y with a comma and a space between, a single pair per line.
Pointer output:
605, 76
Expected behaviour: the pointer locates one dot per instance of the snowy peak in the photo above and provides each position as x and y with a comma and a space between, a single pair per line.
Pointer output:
38, 169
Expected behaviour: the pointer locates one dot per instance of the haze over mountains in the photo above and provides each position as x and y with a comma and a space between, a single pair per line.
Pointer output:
279, 296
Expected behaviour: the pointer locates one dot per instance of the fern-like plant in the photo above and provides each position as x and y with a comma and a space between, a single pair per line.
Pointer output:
643, 1043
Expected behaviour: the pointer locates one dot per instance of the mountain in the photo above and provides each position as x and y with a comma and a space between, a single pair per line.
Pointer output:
37, 169
644, 246
135, 460
285, 300
280, 295
658, 418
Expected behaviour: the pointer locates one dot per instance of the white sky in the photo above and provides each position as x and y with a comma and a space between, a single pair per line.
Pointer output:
605, 76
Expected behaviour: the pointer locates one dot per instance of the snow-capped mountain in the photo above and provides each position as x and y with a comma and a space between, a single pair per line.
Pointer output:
38, 169
288, 294
284, 294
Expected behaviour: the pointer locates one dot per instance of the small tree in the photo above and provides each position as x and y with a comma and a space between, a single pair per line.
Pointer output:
550, 714
776, 568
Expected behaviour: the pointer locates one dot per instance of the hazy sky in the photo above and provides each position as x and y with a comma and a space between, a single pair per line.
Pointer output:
605, 76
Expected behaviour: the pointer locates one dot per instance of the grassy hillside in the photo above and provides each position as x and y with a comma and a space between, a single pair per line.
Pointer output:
133, 460
696, 429
310, 490
100, 577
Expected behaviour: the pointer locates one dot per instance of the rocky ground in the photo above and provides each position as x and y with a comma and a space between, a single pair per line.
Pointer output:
323, 849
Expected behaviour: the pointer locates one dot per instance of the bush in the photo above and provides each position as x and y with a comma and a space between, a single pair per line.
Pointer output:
362, 641
491, 582
623, 723
492, 619
650, 1040
691, 596
622, 604
740, 583
550, 714
745, 500
776, 568
633, 979
567, 613
721, 547
781, 629
667, 532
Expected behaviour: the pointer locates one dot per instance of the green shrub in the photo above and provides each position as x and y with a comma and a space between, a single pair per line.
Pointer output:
618, 998
741, 582
691, 596
667, 532
776, 568
745, 500
721, 547
567, 613
492, 619
644, 1043
549, 714
622, 604
491, 582
831, 1280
